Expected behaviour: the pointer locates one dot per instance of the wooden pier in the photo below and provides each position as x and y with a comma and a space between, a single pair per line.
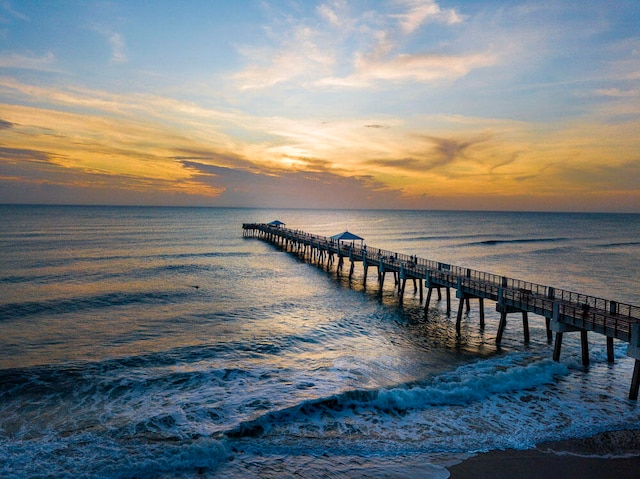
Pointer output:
564, 311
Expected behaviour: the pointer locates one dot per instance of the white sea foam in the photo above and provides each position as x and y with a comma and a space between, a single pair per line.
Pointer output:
512, 401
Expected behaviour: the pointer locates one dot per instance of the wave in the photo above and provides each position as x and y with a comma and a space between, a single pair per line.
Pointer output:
57, 262
467, 384
494, 242
71, 275
149, 402
443, 237
616, 245
84, 303
40, 278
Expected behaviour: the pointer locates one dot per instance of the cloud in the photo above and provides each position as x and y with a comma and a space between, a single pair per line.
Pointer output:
512, 158
118, 48
619, 93
300, 57
115, 41
23, 154
330, 14
297, 189
421, 68
450, 149
28, 62
8, 8
145, 107
411, 164
420, 11
4, 125
210, 157
437, 152
335, 50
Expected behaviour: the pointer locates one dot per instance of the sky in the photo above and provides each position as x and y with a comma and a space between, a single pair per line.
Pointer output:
398, 104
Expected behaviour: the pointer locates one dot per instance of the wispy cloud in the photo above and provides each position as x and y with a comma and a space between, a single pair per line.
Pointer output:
449, 149
331, 13
619, 93
28, 62
299, 189
7, 7
336, 50
23, 154
435, 154
420, 12
300, 58
118, 48
115, 41
422, 68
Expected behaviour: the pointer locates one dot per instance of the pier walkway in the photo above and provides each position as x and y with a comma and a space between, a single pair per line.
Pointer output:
564, 311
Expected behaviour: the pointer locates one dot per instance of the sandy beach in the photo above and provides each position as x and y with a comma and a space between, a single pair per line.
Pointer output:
607, 455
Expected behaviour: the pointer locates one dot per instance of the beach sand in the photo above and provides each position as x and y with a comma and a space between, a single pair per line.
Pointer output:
608, 455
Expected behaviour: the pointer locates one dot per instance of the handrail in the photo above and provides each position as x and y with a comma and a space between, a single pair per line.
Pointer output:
598, 307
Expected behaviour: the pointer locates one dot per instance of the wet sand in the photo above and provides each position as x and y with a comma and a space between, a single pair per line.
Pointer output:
607, 455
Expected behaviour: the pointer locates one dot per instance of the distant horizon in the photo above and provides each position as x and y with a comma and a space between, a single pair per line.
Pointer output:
80, 205
395, 104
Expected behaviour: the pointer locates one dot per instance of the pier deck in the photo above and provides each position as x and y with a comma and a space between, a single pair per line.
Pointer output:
564, 311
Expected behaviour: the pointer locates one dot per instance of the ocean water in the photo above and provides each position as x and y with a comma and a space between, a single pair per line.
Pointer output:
158, 342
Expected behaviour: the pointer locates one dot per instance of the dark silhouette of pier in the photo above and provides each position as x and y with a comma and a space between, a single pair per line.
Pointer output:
564, 311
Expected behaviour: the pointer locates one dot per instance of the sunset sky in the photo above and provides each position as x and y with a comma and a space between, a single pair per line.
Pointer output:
413, 104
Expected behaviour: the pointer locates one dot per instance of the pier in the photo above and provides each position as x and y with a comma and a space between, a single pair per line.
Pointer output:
563, 311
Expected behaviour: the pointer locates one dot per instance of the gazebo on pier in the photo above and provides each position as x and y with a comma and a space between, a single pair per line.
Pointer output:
347, 236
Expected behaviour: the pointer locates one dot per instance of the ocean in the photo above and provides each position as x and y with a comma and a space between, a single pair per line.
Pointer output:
148, 342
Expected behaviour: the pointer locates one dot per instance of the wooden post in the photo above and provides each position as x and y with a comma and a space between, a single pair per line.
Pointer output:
585, 347
635, 381
525, 326
609, 349
557, 347
448, 301
428, 300
549, 333
501, 326
459, 317
481, 302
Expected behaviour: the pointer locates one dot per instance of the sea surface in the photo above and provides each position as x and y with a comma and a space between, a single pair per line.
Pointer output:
158, 342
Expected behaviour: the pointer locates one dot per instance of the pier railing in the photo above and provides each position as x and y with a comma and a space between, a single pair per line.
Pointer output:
520, 291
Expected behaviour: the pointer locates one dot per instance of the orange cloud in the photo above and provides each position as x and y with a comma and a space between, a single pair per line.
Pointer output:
148, 146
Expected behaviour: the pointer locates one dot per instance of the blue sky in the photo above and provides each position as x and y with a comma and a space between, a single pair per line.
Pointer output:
334, 104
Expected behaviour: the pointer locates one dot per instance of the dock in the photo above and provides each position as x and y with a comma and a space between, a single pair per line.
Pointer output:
563, 311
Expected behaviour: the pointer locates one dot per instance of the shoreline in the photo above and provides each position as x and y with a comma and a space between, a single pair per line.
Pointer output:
614, 454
